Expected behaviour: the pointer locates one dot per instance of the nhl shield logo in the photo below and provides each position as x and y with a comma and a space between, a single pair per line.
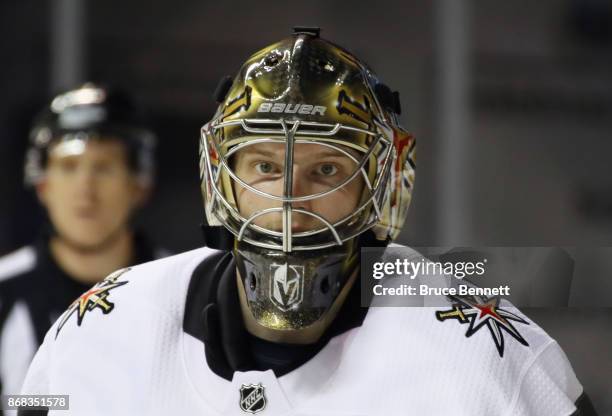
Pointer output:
252, 398
287, 285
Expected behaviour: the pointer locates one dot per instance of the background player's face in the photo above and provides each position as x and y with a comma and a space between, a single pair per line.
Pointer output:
315, 169
89, 191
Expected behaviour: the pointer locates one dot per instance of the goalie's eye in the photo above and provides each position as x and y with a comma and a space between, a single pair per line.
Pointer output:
327, 169
264, 168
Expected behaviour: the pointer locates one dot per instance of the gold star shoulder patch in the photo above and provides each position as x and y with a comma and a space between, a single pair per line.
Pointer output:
478, 312
96, 297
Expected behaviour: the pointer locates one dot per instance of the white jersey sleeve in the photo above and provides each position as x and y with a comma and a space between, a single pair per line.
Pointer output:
548, 385
36, 380
108, 351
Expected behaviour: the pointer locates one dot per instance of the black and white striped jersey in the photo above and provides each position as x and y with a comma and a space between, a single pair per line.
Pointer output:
34, 291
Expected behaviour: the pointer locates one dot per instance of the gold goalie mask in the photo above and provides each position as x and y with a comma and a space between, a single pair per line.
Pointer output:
303, 163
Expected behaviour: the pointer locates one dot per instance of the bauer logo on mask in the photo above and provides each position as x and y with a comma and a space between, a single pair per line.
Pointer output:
287, 288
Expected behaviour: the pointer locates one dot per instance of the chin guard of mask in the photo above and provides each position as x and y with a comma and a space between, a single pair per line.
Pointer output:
288, 292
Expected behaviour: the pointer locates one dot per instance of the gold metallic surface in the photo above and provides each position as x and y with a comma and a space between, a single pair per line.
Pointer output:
273, 328
289, 80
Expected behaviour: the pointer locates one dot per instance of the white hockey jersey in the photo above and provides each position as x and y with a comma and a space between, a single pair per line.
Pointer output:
121, 350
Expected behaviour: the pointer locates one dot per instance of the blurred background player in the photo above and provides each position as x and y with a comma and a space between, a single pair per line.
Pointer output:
90, 161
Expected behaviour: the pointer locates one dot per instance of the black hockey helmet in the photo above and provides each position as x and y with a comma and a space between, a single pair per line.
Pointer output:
91, 112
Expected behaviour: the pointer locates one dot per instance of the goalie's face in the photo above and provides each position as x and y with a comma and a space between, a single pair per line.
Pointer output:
316, 170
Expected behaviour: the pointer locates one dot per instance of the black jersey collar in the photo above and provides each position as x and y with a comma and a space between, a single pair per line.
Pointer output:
212, 315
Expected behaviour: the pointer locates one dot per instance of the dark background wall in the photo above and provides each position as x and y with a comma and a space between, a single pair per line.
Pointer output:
537, 110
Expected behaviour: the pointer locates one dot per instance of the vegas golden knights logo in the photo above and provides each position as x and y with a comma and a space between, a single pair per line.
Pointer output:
252, 398
94, 298
479, 312
287, 285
